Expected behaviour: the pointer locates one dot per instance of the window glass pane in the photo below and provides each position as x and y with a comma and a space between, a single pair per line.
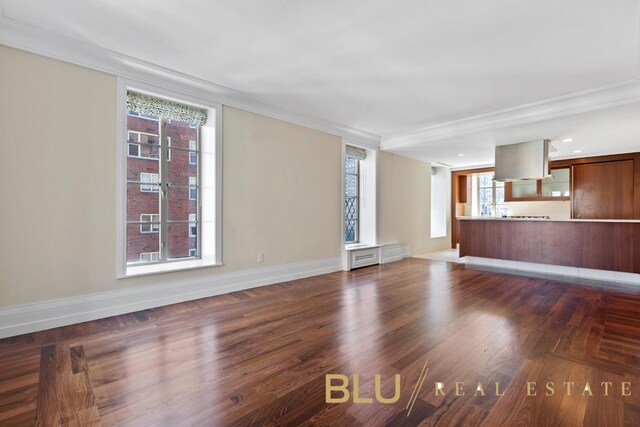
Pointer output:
351, 204
502, 210
351, 210
499, 194
150, 213
138, 243
350, 165
134, 150
524, 188
485, 209
485, 180
351, 227
485, 195
141, 202
351, 185
558, 185
179, 243
179, 204
181, 168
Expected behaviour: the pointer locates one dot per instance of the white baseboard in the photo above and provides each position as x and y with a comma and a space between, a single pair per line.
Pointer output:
28, 318
554, 270
406, 252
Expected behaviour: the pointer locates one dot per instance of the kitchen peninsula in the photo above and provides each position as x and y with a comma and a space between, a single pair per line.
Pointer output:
612, 245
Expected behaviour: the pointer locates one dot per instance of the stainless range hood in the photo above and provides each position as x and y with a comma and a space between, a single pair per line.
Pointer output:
523, 161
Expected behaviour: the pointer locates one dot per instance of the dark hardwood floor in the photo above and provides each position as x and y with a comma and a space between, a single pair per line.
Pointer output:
259, 357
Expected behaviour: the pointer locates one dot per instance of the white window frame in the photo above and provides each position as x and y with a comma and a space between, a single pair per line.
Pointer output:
155, 228
210, 173
153, 256
151, 185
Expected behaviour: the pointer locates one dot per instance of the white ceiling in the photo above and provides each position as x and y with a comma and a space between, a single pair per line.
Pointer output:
381, 66
607, 131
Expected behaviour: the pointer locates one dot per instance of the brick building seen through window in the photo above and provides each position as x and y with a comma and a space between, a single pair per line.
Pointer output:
143, 197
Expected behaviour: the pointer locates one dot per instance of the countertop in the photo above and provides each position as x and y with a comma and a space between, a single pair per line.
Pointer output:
493, 218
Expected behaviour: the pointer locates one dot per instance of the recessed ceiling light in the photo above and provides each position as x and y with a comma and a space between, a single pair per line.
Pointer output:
461, 155
577, 151
567, 140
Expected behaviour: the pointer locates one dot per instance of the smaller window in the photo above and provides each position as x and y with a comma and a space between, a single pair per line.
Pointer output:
192, 154
153, 220
192, 252
143, 145
152, 179
134, 150
193, 227
193, 190
149, 256
169, 149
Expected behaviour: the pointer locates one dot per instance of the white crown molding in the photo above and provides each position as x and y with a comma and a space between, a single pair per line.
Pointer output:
594, 99
29, 38
29, 318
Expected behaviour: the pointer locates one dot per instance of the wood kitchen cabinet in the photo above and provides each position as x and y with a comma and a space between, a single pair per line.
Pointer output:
462, 188
603, 190
556, 188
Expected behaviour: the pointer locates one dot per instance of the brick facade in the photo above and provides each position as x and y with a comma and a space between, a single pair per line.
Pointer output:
141, 202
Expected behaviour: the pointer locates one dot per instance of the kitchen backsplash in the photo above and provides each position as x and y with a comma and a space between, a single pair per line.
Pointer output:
555, 210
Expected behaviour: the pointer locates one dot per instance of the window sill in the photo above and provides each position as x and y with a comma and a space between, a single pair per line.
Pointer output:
353, 246
146, 270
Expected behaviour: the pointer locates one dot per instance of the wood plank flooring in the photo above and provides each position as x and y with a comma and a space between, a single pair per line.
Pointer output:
259, 357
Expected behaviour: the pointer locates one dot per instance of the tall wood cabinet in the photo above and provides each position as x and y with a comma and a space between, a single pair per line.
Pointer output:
603, 190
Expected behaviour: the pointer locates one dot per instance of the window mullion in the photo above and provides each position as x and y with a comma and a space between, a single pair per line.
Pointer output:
164, 187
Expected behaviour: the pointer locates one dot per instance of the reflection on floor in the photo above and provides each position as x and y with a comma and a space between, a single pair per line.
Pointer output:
449, 255
507, 350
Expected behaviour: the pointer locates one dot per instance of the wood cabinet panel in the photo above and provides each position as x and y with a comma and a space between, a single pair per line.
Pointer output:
603, 190
562, 243
522, 240
602, 246
593, 236
636, 246
618, 247
462, 188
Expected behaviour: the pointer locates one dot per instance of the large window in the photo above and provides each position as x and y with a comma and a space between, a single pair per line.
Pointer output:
165, 199
351, 190
439, 190
491, 197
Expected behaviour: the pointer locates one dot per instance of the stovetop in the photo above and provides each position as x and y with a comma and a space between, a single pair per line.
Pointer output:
526, 216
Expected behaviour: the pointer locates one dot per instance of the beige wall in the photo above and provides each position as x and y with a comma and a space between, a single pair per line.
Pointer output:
404, 203
58, 161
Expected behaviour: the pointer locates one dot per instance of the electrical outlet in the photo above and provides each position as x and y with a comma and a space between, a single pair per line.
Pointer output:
260, 257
